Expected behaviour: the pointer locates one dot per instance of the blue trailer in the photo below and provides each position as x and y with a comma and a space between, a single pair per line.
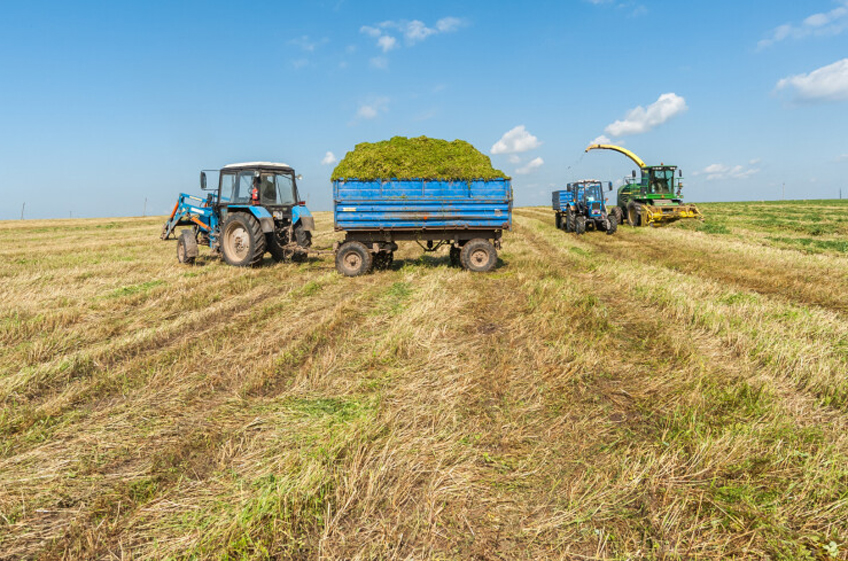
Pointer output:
469, 216
581, 206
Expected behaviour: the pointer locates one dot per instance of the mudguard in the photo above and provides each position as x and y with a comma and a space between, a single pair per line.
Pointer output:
302, 214
264, 217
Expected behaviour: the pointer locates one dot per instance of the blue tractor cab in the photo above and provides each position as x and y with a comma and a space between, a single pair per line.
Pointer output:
255, 209
581, 206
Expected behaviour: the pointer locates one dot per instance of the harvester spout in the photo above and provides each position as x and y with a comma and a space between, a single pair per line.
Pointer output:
624, 151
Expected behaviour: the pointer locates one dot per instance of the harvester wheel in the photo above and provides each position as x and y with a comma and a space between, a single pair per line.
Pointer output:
243, 241
634, 214
580, 225
612, 224
186, 247
353, 259
454, 256
616, 212
478, 256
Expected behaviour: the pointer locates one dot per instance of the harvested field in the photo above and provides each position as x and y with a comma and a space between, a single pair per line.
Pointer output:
668, 393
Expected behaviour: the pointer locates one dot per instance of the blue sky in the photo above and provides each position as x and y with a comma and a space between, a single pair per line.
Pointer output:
104, 104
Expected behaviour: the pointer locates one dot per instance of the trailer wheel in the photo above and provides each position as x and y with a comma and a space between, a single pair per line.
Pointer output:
243, 242
558, 221
383, 260
634, 214
478, 255
580, 225
454, 256
186, 247
353, 259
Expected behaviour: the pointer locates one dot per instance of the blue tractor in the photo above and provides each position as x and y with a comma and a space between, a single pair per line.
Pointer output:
255, 209
581, 207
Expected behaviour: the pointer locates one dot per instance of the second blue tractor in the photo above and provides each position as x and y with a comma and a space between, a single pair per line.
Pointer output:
581, 206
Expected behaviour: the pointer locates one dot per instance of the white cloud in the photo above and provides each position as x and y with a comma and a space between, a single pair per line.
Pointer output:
379, 62
413, 31
720, 172
641, 120
515, 141
329, 159
754, 162
829, 23
531, 166
300, 63
514, 159
387, 43
307, 44
842, 158
603, 139
828, 83
372, 109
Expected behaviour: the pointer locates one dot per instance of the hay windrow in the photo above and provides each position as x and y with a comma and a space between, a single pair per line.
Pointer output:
416, 158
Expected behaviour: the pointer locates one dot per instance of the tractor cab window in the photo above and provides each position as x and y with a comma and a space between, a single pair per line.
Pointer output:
241, 188
593, 193
276, 189
228, 181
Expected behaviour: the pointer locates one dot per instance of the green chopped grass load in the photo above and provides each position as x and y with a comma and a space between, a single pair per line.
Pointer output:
416, 158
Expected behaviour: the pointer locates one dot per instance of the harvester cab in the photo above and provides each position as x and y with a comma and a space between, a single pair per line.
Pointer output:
255, 208
655, 197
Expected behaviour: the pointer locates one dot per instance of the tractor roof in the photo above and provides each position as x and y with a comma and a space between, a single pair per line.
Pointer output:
259, 165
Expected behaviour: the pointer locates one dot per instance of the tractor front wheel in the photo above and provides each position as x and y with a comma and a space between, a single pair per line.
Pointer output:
243, 241
353, 259
478, 256
186, 247
580, 225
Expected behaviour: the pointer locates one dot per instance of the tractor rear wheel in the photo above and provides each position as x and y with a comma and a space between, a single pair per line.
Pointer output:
634, 214
186, 247
275, 245
303, 237
478, 256
353, 259
580, 225
243, 242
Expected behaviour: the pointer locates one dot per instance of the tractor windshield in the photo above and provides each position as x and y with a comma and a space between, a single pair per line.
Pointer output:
277, 189
593, 193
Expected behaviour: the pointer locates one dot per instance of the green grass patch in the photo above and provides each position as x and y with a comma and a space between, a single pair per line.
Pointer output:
134, 289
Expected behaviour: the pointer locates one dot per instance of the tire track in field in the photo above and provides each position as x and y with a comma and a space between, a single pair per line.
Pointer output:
718, 362
71, 531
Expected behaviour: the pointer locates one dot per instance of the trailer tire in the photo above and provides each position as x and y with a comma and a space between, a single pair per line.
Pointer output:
478, 256
580, 225
454, 256
353, 259
186, 247
634, 215
242, 240
558, 221
383, 260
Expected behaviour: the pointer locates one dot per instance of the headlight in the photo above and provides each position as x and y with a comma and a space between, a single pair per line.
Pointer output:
278, 214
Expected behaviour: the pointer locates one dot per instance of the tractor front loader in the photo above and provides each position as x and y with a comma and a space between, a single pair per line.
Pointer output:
255, 209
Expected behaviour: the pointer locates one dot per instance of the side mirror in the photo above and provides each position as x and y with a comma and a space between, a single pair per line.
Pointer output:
299, 177
680, 173
610, 186
202, 180
634, 174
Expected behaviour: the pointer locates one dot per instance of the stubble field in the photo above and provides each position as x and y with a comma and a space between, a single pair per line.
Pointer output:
669, 393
